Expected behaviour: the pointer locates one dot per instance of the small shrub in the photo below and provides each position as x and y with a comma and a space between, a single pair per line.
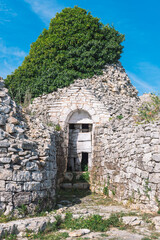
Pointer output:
84, 177
4, 219
106, 188
149, 111
9, 236
106, 191
58, 127
158, 202
120, 117
147, 189
50, 124
93, 222
146, 218
23, 210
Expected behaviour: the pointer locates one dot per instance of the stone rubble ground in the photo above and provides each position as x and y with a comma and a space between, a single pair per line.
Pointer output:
137, 227
95, 204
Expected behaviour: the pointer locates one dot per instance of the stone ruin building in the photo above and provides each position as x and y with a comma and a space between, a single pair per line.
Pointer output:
88, 125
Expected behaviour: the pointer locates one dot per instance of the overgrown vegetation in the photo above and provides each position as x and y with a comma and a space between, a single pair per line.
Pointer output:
58, 127
76, 45
85, 177
94, 222
147, 189
158, 203
150, 111
5, 219
23, 210
9, 236
106, 187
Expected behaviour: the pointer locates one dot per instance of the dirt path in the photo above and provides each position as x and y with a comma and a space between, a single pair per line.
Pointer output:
136, 225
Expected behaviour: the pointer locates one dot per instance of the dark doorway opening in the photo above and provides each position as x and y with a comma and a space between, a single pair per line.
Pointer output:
86, 127
71, 126
84, 162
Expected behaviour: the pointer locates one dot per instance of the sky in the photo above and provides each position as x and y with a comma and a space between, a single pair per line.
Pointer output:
22, 21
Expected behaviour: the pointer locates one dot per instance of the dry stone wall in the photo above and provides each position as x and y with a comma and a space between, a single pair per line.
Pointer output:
27, 159
101, 97
125, 156
127, 163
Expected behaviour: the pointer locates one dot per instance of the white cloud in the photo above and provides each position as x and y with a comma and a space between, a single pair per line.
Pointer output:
151, 72
45, 9
10, 59
140, 84
11, 51
6, 13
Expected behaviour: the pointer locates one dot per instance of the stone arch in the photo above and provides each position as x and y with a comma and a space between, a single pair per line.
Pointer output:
72, 110
79, 116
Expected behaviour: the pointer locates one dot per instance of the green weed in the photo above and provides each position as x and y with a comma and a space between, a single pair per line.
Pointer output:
58, 127
93, 222
149, 111
120, 117
84, 177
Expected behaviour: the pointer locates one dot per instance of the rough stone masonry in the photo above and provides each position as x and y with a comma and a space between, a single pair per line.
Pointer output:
37, 146
27, 159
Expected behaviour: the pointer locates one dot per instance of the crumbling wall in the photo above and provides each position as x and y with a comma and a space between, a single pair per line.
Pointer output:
125, 156
27, 159
127, 163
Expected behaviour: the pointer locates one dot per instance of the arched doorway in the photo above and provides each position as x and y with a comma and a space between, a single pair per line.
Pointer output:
80, 141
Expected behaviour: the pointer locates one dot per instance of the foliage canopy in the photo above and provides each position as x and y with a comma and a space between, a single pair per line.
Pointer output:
76, 45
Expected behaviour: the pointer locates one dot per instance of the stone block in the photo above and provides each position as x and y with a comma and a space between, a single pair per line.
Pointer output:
7, 100
15, 158
4, 144
32, 186
155, 135
157, 167
5, 160
10, 128
2, 185
37, 176
5, 174
2, 94
66, 185
84, 137
5, 197
31, 166
47, 184
13, 120
2, 120
13, 187
80, 185
147, 157
84, 146
132, 220
51, 174
5, 109
68, 176
154, 178
26, 145
21, 198
156, 157
2, 134
11, 149
21, 176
